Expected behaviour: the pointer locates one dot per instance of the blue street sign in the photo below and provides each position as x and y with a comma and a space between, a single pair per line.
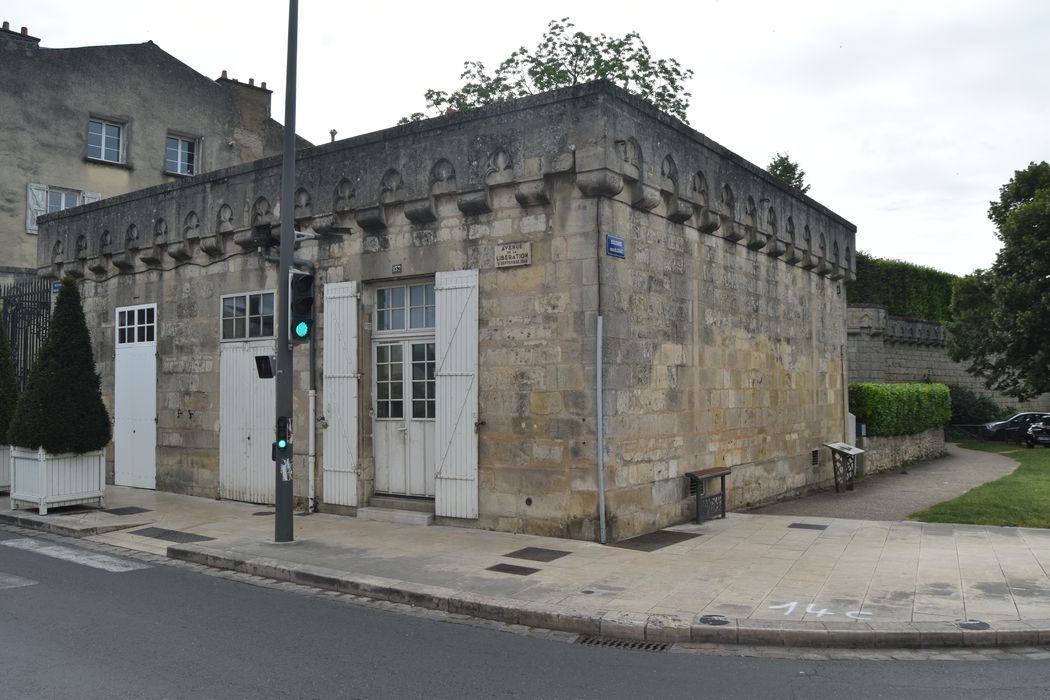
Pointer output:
56, 287
615, 246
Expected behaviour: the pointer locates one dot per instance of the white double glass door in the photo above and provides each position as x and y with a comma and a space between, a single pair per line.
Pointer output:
404, 415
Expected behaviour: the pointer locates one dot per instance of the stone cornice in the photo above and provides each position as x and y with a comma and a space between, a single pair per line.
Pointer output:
604, 141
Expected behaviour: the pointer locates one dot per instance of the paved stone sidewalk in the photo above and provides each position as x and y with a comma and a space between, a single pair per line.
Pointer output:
896, 494
748, 579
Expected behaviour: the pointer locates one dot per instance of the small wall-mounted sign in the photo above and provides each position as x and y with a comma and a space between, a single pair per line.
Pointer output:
395, 269
513, 254
56, 287
615, 246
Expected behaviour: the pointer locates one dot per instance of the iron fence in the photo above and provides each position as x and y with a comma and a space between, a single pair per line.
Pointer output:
26, 309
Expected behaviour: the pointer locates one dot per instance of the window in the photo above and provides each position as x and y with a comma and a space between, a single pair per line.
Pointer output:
180, 156
423, 383
105, 141
247, 316
389, 382
392, 312
47, 199
136, 325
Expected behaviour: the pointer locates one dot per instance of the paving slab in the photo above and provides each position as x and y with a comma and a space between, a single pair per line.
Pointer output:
752, 578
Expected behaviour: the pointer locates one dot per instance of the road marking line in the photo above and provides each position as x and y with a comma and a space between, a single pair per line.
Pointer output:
77, 556
12, 581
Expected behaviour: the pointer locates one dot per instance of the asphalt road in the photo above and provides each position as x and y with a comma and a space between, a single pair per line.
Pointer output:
79, 623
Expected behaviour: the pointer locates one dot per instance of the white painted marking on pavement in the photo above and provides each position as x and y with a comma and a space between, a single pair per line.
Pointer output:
77, 556
12, 581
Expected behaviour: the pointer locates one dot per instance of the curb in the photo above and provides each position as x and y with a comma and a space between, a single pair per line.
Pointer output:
44, 523
705, 629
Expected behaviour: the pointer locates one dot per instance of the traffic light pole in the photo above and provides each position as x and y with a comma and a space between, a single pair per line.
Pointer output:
283, 493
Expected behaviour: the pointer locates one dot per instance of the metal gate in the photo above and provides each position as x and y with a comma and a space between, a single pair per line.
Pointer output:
26, 313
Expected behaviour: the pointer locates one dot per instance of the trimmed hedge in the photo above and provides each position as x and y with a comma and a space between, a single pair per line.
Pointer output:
904, 288
900, 409
61, 408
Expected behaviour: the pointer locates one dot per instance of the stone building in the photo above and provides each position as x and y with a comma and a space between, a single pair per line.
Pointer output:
486, 278
79, 124
888, 348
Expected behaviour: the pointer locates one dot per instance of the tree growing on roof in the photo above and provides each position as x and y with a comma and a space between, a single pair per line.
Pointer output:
788, 172
564, 58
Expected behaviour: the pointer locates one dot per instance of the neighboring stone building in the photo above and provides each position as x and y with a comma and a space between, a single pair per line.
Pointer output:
466, 265
887, 348
79, 124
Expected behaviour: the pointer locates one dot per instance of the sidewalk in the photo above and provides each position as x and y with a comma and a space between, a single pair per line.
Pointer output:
749, 579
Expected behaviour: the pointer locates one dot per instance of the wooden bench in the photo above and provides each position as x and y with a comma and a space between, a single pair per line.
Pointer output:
709, 505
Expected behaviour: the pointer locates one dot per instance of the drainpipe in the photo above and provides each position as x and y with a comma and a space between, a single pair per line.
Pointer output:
599, 370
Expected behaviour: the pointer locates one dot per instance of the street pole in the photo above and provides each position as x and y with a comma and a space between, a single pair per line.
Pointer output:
283, 493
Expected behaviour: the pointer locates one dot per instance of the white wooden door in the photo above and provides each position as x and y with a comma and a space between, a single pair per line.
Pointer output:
135, 397
456, 345
404, 407
246, 423
339, 386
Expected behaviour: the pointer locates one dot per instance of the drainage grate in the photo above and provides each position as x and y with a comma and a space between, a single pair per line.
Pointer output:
655, 540
263, 512
636, 645
126, 510
538, 554
512, 569
807, 526
159, 533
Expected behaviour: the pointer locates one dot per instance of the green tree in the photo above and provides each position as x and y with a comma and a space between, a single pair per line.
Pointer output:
564, 58
788, 172
8, 385
61, 408
1001, 317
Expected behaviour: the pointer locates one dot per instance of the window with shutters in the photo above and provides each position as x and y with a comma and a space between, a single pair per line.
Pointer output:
47, 199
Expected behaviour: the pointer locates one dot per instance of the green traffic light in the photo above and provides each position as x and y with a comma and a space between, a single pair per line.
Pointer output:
302, 329
281, 444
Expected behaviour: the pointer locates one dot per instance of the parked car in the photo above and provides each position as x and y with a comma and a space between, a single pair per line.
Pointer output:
1014, 428
1038, 434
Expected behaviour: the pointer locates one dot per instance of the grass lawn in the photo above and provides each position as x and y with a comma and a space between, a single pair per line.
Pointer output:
1021, 499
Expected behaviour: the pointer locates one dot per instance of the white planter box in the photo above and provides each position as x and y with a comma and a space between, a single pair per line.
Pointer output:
5, 468
43, 480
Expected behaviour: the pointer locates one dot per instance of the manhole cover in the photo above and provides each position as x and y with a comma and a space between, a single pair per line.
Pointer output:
974, 625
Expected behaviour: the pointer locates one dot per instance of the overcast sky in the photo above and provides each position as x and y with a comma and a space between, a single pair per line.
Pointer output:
907, 116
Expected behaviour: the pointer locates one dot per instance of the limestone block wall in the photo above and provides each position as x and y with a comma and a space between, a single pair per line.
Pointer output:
724, 322
886, 453
886, 348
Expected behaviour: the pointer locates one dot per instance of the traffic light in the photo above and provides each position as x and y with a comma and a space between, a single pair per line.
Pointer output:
300, 306
284, 432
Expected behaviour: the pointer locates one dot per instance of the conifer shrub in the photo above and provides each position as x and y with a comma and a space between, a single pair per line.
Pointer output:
61, 408
900, 409
969, 407
8, 385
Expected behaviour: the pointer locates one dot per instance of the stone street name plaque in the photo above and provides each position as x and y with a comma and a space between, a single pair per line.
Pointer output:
513, 254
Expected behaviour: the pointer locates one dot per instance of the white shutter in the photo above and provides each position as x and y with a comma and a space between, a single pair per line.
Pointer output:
90, 197
456, 340
340, 377
36, 205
